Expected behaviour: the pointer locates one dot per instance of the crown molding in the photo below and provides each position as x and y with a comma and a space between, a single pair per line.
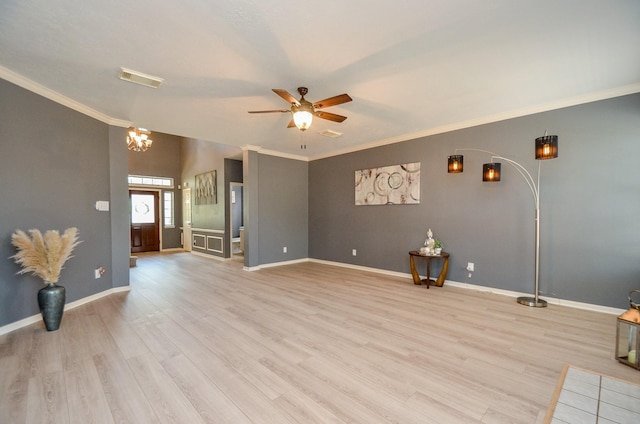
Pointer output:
251, 148
545, 107
54, 96
283, 155
260, 150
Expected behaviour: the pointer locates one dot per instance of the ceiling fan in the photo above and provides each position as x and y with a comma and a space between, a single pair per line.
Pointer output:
303, 110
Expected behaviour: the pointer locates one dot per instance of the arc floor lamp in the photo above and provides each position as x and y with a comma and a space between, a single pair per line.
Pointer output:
546, 147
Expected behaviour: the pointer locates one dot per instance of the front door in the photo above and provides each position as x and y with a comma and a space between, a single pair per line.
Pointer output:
145, 221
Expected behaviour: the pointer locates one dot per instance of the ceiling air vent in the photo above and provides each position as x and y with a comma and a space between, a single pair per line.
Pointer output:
330, 133
140, 78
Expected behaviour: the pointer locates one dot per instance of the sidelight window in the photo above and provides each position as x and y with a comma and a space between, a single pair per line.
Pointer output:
167, 198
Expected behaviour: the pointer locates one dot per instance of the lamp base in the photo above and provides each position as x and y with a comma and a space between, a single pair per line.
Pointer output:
531, 301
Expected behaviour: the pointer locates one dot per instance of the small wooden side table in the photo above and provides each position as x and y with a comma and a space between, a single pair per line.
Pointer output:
439, 282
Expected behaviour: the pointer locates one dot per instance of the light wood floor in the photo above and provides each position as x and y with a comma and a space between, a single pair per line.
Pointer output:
198, 340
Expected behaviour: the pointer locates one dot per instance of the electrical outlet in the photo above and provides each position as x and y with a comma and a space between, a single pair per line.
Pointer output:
470, 267
353, 252
284, 249
99, 272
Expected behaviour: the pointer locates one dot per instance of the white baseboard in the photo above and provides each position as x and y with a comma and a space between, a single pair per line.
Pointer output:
509, 293
206, 255
362, 268
550, 300
274, 264
37, 318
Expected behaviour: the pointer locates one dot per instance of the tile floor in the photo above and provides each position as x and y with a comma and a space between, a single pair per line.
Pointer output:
588, 398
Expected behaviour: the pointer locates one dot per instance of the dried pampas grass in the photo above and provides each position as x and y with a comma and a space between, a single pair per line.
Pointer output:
44, 256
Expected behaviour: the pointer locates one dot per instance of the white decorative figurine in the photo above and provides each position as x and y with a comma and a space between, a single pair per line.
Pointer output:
428, 243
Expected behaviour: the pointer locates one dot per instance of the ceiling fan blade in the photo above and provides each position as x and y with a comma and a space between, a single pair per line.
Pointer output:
286, 96
330, 116
332, 101
269, 111
291, 124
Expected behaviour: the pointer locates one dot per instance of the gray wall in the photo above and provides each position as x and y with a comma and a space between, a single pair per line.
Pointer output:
283, 202
276, 209
197, 157
54, 166
589, 205
163, 160
119, 207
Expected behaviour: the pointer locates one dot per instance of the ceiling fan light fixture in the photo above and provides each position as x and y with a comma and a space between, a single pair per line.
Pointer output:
302, 115
302, 111
302, 120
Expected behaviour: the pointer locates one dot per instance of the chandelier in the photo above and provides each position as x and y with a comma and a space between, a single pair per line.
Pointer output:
138, 139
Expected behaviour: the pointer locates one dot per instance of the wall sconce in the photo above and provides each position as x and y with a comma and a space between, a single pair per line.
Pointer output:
456, 164
491, 172
546, 147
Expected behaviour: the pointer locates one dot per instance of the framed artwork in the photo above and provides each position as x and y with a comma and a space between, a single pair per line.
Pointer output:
206, 188
388, 185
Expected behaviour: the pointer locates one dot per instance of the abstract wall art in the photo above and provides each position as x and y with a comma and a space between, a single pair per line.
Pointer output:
207, 188
388, 185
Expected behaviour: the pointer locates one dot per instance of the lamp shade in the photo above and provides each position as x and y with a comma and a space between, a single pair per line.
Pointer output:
547, 147
455, 164
491, 172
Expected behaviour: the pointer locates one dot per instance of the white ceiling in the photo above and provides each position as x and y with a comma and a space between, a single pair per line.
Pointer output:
412, 67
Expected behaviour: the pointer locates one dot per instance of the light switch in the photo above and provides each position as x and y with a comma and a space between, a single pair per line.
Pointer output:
102, 205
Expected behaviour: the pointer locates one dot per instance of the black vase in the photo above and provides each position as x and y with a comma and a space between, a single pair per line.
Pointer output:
51, 300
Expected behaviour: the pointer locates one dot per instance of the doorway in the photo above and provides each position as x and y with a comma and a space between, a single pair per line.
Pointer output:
186, 219
145, 221
236, 225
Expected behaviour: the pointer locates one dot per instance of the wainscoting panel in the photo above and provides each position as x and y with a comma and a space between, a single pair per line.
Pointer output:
207, 241
199, 241
215, 244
